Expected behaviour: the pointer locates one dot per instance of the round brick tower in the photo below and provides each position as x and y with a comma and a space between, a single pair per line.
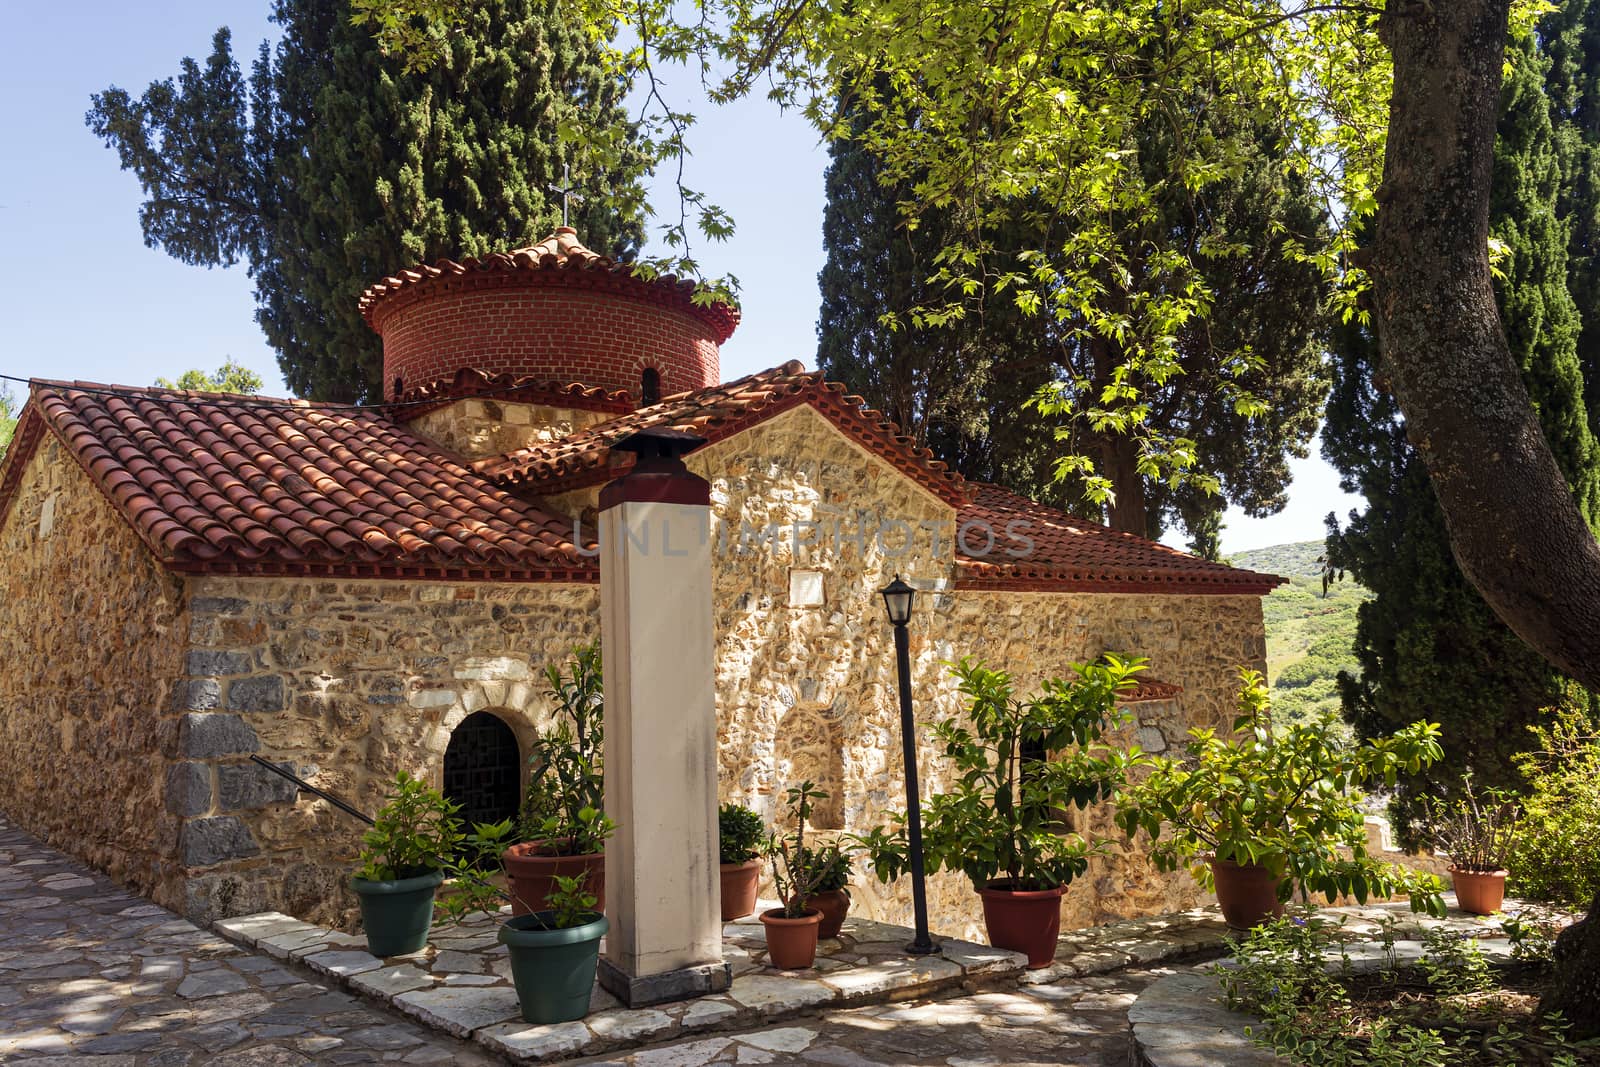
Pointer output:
553, 312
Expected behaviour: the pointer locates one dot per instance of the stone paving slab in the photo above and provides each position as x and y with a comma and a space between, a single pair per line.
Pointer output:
92, 974
461, 983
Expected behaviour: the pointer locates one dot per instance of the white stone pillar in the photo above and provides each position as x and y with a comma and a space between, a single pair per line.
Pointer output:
662, 874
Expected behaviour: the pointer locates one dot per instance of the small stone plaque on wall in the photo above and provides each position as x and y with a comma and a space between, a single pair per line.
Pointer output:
806, 590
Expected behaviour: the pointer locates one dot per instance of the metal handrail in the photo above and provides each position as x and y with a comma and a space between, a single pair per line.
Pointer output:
309, 788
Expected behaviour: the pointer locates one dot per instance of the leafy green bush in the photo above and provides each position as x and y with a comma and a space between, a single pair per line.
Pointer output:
1556, 854
1001, 819
740, 833
1283, 798
565, 802
416, 832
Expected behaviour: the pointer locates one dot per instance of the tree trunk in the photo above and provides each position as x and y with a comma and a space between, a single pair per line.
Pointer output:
1576, 990
1119, 455
1514, 528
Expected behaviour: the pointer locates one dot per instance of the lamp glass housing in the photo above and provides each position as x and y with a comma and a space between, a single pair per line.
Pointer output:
897, 599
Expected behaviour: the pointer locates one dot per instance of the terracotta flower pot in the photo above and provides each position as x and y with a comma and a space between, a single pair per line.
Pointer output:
791, 943
1479, 892
531, 874
739, 884
1023, 920
1246, 893
834, 905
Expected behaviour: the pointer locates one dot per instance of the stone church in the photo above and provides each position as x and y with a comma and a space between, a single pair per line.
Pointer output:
191, 579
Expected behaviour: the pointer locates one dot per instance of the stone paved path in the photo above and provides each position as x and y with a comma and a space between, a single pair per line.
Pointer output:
91, 974
1081, 1022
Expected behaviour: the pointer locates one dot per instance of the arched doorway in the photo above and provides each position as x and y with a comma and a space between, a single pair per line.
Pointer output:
483, 769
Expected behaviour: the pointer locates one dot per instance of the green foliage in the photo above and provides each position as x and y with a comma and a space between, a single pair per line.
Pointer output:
1022, 763
828, 868
1245, 400
8, 419
1453, 963
1284, 798
795, 874
740, 834
478, 885
1281, 963
332, 166
231, 377
565, 800
1556, 854
414, 833
1477, 829
1310, 631
1427, 645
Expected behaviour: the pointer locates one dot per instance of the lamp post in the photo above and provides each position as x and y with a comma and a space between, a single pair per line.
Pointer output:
897, 598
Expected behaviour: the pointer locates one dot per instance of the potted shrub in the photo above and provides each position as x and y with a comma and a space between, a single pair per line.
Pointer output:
562, 827
828, 869
1476, 832
554, 951
740, 834
403, 859
1000, 822
1270, 809
792, 928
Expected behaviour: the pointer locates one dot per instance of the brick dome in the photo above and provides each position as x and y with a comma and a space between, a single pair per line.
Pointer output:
555, 311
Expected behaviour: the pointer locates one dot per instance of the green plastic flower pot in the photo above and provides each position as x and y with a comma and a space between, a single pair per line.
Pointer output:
397, 914
553, 969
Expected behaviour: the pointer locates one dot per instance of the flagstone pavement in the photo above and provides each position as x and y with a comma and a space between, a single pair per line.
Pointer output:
91, 974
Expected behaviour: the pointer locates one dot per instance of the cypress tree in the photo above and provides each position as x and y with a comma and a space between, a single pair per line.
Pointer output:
330, 167
961, 388
1570, 36
1428, 646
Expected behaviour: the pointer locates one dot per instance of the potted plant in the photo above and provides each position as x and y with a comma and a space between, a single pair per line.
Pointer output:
403, 859
554, 951
828, 869
792, 928
1477, 833
740, 834
562, 827
1270, 809
1021, 762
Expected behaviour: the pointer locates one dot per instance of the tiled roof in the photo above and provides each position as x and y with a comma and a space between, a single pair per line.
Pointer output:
222, 483
563, 259
522, 389
584, 458
1038, 547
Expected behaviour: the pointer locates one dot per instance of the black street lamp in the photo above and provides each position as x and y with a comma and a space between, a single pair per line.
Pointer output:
897, 599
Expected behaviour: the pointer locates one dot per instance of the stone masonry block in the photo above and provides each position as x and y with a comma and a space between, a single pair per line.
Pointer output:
188, 788
242, 786
206, 842
218, 605
206, 736
202, 694
203, 662
264, 692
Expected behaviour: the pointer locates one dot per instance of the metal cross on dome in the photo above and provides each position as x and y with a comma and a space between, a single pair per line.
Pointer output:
566, 192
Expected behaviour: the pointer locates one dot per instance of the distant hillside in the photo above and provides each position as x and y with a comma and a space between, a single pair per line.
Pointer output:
1309, 636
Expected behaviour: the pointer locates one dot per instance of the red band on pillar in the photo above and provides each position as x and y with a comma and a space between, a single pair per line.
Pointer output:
658, 476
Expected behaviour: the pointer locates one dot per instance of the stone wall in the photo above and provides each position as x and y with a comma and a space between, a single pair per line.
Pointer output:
487, 427
807, 690
91, 645
346, 682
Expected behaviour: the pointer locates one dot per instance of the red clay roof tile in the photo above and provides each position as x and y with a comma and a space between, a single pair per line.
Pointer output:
585, 458
560, 258
1057, 552
216, 482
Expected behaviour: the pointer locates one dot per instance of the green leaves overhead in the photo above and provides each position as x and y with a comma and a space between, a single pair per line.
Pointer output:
333, 164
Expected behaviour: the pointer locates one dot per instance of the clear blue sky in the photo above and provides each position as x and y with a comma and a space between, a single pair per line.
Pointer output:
82, 297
